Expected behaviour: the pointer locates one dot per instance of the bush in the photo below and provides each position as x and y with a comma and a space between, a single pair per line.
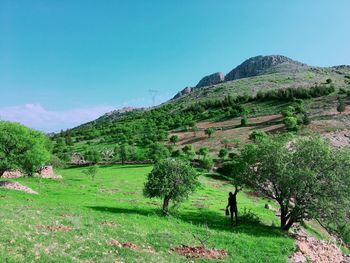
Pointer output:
207, 163
291, 123
257, 135
244, 121
223, 153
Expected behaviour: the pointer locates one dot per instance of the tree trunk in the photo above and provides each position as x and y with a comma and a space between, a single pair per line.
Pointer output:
166, 205
286, 223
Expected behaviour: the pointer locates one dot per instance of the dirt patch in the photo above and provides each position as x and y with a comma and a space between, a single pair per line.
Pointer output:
109, 223
58, 228
309, 249
16, 186
130, 193
198, 205
338, 139
108, 191
129, 245
200, 252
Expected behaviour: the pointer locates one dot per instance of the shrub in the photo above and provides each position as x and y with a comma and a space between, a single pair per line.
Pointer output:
244, 121
291, 123
207, 163
257, 135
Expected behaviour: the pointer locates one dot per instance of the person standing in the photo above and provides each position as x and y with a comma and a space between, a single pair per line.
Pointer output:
232, 204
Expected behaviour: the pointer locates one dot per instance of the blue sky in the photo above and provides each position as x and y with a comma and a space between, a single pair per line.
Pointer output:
66, 62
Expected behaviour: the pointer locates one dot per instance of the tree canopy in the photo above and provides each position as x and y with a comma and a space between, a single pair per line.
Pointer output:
306, 176
172, 180
22, 148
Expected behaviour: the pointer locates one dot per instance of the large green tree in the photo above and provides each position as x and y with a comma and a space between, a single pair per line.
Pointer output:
306, 176
172, 180
22, 148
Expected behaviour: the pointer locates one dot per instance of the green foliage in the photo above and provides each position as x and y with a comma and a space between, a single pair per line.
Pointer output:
209, 132
291, 123
328, 81
244, 121
158, 151
22, 148
91, 171
307, 177
207, 163
306, 119
189, 151
290, 94
92, 156
223, 153
174, 139
171, 180
341, 106
257, 135
203, 151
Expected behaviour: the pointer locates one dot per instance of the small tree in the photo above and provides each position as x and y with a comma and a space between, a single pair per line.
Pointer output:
22, 148
341, 106
306, 119
124, 152
92, 156
306, 176
172, 180
91, 172
158, 151
209, 132
244, 121
223, 153
189, 151
203, 151
174, 139
328, 81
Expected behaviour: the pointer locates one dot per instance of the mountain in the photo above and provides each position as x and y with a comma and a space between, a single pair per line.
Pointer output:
263, 64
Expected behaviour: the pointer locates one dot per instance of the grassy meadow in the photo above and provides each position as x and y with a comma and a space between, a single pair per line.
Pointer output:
73, 220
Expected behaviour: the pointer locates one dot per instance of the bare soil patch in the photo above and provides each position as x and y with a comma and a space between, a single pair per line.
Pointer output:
109, 223
200, 252
58, 228
16, 186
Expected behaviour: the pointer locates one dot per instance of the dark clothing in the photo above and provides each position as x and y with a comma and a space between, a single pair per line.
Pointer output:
232, 203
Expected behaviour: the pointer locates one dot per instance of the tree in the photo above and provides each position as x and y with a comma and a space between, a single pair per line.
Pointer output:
124, 152
172, 180
203, 151
244, 121
174, 139
223, 153
92, 156
328, 81
341, 106
306, 176
158, 151
257, 135
209, 132
189, 151
91, 172
22, 148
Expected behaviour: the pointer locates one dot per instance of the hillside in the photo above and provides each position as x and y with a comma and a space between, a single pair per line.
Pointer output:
208, 106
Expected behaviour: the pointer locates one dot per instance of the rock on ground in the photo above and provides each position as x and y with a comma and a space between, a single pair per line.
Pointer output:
16, 186
11, 174
47, 172
309, 249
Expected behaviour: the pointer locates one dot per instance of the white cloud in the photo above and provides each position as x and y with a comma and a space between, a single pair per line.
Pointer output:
37, 117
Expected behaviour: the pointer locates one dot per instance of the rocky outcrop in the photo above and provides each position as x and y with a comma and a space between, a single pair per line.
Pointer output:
185, 91
48, 173
212, 79
259, 65
11, 174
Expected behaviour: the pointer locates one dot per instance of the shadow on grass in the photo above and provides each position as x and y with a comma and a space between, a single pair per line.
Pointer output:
204, 218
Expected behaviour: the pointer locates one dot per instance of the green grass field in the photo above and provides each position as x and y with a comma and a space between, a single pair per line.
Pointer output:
115, 196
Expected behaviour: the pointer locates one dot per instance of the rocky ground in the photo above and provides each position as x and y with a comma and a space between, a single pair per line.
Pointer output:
16, 186
309, 249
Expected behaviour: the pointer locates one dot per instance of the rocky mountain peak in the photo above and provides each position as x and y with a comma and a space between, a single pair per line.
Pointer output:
259, 65
212, 79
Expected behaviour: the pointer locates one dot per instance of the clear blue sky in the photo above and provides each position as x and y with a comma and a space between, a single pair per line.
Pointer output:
64, 62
